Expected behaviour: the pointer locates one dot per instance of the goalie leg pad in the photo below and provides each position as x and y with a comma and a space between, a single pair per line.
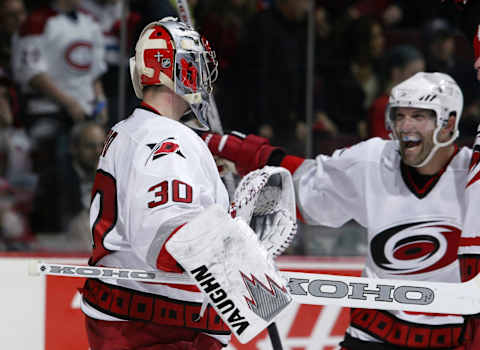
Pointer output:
229, 265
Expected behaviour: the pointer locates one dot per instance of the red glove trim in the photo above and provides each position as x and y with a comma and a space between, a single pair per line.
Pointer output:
248, 154
226, 146
291, 163
254, 154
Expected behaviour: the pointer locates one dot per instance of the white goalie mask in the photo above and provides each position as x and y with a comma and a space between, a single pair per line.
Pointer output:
433, 91
173, 54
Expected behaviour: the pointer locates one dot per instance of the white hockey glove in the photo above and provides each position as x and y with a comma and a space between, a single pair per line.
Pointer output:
265, 199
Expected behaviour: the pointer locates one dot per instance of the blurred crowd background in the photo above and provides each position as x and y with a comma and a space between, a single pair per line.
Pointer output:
54, 116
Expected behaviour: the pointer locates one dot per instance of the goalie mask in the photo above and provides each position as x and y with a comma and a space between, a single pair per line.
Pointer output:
171, 53
437, 92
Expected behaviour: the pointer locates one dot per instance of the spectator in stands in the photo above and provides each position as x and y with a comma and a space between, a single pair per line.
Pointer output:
108, 13
58, 58
272, 68
152, 10
12, 14
224, 24
15, 146
15, 233
442, 56
401, 63
14, 229
324, 62
354, 83
63, 194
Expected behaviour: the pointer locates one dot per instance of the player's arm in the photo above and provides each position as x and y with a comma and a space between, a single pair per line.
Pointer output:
469, 245
249, 152
41, 82
333, 181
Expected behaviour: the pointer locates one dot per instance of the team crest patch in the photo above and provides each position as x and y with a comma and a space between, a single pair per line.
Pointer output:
164, 148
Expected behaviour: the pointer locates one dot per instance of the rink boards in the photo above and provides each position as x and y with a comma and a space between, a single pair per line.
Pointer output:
42, 313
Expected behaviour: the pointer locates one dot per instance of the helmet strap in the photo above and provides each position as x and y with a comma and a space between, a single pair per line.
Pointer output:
437, 145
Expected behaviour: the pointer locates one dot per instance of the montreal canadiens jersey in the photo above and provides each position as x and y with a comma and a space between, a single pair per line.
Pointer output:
108, 15
154, 175
413, 233
68, 48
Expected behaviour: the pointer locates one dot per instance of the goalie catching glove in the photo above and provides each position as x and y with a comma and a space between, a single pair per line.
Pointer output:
265, 199
247, 152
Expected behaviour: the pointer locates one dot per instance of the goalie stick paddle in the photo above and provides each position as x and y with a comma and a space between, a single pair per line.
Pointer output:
319, 289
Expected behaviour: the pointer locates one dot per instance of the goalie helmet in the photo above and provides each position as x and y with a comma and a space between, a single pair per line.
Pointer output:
171, 53
434, 91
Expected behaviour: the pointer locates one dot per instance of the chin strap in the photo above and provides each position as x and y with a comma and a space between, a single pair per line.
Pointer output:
437, 146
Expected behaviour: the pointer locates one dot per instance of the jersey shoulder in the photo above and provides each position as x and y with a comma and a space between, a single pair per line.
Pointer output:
462, 159
156, 137
36, 22
370, 150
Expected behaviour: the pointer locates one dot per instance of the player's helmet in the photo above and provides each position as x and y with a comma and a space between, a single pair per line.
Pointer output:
173, 54
433, 91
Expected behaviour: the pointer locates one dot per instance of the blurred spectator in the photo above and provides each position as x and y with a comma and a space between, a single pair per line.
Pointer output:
401, 63
58, 58
272, 69
442, 56
354, 83
12, 14
153, 10
15, 147
15, 233
224, 24
63, 195
439, 37
108, 14
467, 20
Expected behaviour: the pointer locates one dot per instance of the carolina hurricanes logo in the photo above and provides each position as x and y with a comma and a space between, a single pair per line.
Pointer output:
415, 248
164, 148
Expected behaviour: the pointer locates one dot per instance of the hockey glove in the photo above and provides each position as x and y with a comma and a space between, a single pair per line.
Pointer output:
247, 152
265, 199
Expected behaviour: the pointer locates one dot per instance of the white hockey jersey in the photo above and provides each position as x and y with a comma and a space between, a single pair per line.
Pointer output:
154, 175
413, 230
69, 48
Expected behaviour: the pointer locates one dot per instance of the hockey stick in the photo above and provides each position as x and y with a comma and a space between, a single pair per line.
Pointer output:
213, 115
319, 289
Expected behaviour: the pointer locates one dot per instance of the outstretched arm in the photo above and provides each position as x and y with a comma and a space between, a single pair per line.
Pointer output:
249, 152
